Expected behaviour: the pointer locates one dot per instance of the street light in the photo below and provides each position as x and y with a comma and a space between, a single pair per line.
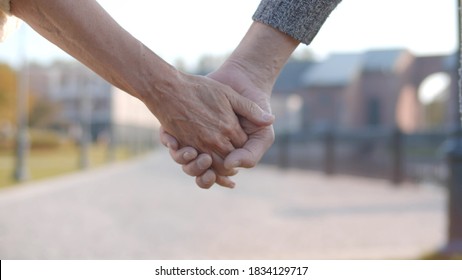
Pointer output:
85, 120
454, 160
22, 137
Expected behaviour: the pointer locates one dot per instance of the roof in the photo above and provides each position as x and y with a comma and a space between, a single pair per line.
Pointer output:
290, 78
336, 70
341, 69
381, 60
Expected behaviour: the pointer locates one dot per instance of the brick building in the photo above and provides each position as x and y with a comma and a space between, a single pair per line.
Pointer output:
374, 89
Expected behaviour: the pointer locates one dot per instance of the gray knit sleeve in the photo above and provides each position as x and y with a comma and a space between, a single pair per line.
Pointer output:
301, 19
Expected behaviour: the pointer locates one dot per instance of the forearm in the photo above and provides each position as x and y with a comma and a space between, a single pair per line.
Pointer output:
263, 52
84, 30
279, 27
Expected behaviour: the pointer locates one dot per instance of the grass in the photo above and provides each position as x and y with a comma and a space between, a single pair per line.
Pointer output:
52, 162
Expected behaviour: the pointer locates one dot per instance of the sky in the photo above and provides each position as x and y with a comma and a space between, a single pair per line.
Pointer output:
186, 30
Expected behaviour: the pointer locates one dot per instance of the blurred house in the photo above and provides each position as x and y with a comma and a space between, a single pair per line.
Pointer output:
70, 85
286, 102
83, 96
375, 89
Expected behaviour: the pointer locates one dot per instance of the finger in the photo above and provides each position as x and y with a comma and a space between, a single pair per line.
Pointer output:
219, 167
206, 180
219, 145
184, 155
167, 140
238, 137
198, 166
250, 110
224, 181
242, 158
250, 154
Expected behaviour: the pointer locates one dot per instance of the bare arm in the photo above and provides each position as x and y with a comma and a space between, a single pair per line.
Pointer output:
85, 30
187, 106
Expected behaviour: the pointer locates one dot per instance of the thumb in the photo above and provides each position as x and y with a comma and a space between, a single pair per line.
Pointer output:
168, 140
250, 110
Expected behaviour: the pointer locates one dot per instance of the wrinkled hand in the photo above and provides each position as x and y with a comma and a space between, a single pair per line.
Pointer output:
205, 116
195, 164
260, 138
251, 70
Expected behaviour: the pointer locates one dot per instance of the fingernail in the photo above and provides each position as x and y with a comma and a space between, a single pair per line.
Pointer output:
235, 164
203, 163
188, 156
268, 117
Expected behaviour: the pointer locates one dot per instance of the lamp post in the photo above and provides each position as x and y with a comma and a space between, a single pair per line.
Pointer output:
22, 136
454, 160
85, 121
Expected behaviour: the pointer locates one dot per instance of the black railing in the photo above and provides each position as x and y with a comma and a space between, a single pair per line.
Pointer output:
377, 153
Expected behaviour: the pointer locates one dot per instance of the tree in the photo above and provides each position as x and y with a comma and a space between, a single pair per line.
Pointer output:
8, 90
8, 95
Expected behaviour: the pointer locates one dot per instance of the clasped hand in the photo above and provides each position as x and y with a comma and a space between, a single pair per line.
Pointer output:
250, 132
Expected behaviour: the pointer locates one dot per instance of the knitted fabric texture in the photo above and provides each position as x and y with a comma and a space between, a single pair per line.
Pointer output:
300, 19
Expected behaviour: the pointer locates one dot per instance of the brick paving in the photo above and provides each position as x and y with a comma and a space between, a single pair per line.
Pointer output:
147, 209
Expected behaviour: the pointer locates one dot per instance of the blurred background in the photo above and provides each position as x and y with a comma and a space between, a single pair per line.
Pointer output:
371, 102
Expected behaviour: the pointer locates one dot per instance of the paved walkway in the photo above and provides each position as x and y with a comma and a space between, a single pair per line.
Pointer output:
147, 209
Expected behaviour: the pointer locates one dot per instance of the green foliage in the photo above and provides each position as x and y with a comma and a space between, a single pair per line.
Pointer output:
8, 89
8, 96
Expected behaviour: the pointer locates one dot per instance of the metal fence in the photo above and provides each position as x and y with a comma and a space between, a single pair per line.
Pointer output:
376, 153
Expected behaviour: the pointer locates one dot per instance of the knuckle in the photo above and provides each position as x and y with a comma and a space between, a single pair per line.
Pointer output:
253, 108
229, 129
207, 143
224, 147
232, 125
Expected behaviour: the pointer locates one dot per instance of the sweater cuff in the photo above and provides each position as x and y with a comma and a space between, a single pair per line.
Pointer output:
300, 19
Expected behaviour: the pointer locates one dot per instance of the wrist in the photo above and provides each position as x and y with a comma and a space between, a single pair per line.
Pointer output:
157, 85
241, 69
263, 52
145, 75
